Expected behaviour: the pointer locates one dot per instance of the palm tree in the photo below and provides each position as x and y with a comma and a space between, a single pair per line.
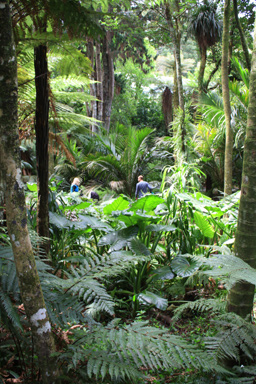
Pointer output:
241, 296
206, 28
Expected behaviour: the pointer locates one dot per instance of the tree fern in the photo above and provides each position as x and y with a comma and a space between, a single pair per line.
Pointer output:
123, 351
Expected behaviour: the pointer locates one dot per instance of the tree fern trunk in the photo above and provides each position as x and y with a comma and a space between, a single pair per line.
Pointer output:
202, 69
226, 101
42, 141
29, 283
240, 298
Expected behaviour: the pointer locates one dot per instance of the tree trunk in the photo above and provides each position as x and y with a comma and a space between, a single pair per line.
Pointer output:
99, 89
42, 140
108, 80
202, 69
176, 37
29, 283
92, 109
175, 92
240, 298
226, 101
167, 108
243, 41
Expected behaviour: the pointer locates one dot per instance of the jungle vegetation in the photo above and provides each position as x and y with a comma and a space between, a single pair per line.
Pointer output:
158, 289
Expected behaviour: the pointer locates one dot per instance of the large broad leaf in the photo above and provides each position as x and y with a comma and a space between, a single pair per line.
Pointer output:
118, 239
150, 298
147, 203
136, 218
138, 247
160, 228
163, 273
92, 222
60, 221
77, 207
203, 224
184, 266
117, 205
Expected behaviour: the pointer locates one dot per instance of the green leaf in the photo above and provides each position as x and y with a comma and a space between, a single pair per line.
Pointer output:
147, 203
160, 228
136, 218
92, 222
60, 221
203, 224
150, 298
77, 207
138, 247
183, 266
117, 205
163, 273
32, 187
118, 239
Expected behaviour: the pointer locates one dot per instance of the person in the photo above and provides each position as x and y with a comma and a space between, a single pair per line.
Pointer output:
94, 195
75, 185
142, 187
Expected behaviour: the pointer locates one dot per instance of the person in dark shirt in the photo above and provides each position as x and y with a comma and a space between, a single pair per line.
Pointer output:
94, 196
142, 187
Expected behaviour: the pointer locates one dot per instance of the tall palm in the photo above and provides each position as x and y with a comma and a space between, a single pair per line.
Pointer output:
206, 27
124, 159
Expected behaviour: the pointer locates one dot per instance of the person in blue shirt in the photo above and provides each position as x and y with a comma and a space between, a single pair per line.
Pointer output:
142, 187
75, 185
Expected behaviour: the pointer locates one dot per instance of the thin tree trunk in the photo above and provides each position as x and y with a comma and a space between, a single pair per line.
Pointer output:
92, 108
242, 37
167, 108
99, 89
240, 298
202, 69
42, 141
212, 74
176, 37
30, 288
108, 80
175, 91
226, 101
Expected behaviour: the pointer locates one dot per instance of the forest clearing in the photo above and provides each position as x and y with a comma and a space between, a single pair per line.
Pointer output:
127, 191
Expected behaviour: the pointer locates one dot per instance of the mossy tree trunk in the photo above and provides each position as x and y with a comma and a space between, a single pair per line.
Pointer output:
226, 101
108, 79
240, 298
30, 288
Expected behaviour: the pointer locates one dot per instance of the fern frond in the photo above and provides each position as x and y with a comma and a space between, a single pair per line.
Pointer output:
7, 310
139, 346
230, 268
202, 305
236, 337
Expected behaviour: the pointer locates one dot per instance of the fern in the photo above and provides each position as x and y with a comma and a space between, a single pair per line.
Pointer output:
214, 306
237, 337
123, 351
